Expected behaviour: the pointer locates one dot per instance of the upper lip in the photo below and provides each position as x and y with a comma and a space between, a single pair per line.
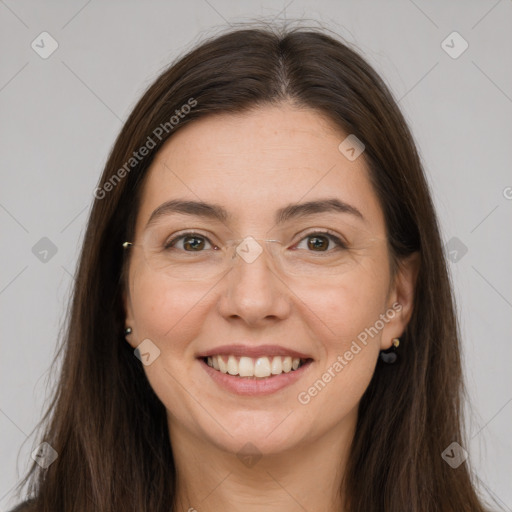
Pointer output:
252, 351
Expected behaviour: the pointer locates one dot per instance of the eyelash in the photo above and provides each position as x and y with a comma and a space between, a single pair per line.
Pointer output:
327, 233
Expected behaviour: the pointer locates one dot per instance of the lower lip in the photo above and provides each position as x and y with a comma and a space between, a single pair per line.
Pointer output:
255, 387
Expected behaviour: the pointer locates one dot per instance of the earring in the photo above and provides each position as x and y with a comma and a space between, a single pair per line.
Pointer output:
390, 356
127, 331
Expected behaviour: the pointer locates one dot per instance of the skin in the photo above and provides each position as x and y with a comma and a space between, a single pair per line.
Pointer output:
253, 164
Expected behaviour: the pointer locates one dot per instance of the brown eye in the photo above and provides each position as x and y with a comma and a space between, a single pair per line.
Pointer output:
322, 242
318, 242
193, 243
188, 242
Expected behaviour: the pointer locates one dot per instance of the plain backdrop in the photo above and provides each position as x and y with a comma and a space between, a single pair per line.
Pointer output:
61, 114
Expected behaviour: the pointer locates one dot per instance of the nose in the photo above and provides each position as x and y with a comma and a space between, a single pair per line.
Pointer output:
253, 291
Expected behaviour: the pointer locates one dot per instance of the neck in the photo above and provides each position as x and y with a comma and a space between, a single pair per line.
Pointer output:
308, 477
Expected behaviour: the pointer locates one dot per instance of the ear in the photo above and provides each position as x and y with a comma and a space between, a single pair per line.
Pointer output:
401, 298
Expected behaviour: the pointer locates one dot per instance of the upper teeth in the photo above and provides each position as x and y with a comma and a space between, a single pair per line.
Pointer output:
257, 367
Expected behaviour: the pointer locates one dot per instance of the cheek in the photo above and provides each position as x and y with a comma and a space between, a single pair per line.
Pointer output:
171, 315
349, 313
166, 311
351, 304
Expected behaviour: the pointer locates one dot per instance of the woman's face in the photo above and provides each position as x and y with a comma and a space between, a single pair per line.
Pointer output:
269, 304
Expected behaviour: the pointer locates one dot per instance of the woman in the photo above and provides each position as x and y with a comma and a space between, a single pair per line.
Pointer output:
262, 316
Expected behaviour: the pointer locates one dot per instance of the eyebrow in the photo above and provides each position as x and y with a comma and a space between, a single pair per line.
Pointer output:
219, 213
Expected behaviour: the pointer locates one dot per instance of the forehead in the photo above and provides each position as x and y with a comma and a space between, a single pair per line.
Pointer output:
256, 162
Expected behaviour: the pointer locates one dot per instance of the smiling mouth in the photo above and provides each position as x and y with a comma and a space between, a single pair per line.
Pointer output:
254, 368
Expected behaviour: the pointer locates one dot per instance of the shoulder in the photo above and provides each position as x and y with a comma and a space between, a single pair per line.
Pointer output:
26, 506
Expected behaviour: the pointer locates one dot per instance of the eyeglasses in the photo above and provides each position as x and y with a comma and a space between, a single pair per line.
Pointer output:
200, 259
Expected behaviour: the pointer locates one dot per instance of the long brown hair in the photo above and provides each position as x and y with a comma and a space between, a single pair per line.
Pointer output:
105, 421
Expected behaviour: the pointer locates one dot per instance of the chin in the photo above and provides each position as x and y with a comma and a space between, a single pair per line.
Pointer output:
265, 432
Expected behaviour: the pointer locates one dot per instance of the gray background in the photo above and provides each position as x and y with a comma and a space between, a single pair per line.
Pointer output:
60, 116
